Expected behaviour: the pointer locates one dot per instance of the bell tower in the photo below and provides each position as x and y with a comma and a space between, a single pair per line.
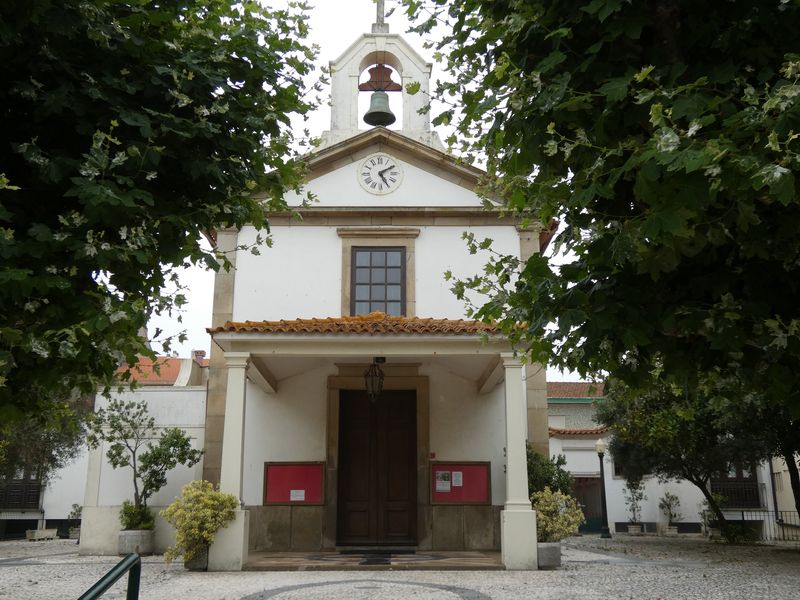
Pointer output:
392, 65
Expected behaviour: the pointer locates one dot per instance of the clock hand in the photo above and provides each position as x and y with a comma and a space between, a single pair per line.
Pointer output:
389, 168
380, 174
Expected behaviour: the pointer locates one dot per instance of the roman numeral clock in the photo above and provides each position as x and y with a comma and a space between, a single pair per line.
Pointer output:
380, 174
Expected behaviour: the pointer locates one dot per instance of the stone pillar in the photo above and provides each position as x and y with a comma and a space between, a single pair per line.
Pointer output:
230, 548
535, 382
224, 282
518, 521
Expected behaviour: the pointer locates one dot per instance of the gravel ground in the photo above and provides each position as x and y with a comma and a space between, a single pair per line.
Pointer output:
623, 568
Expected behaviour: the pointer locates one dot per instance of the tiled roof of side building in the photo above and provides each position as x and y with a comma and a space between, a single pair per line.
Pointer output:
574, 389
164, 371
375, 323
567, 432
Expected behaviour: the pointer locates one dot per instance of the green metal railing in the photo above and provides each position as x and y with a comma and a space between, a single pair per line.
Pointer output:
131, 564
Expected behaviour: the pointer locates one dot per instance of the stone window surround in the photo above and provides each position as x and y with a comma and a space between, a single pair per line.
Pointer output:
379, 236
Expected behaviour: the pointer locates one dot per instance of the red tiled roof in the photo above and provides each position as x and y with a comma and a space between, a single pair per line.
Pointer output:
574, 389
572, 432
164, 371
375, 323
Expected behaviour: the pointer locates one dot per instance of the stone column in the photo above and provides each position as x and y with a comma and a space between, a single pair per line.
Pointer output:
229, 550
518, 521
535, 383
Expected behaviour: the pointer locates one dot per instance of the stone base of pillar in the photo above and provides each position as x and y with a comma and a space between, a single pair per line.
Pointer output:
518, 539
229, 550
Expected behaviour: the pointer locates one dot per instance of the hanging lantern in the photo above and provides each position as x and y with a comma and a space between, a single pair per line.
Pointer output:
373, 378
380, 82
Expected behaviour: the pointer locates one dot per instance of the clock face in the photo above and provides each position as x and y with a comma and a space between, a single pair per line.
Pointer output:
380, 174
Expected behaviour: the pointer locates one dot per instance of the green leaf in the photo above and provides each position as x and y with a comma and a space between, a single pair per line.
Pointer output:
615, 89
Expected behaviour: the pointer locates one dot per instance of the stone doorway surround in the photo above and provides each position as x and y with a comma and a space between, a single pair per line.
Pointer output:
402, 376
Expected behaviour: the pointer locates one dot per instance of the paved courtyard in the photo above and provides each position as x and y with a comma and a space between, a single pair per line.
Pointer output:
622, 568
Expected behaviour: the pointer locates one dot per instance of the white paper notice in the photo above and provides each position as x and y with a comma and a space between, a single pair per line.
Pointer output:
442, 481
458, 479
297, 495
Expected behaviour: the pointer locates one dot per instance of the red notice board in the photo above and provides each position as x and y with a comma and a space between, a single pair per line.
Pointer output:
461, 483
294, 483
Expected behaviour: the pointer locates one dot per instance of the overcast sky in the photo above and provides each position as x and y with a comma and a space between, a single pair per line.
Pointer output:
334, 26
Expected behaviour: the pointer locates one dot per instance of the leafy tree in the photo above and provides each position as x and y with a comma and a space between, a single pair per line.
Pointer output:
675, 433
664, 135
544, 472
129, 430
131, 128
42, 444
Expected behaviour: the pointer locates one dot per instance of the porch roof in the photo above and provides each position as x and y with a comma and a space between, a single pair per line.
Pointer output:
376, 323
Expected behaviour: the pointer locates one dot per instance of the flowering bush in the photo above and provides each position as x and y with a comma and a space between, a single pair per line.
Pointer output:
557, 515
197, 514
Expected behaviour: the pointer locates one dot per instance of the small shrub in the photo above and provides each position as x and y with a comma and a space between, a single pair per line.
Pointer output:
634, 496
670, 505
548, 472
136, 517
557, 515
197, 514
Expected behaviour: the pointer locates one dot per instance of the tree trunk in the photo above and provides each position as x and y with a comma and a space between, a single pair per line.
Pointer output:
794, 477
702, 485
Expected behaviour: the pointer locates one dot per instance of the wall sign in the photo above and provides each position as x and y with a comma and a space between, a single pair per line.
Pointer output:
461, 483
294, 483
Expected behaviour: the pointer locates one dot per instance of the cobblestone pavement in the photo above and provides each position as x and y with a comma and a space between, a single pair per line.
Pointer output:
594, 569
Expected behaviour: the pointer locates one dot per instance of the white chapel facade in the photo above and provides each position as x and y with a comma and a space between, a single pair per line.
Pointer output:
436, 459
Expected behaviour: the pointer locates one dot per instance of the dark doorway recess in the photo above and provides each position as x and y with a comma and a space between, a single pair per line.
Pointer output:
587, 492
377, 503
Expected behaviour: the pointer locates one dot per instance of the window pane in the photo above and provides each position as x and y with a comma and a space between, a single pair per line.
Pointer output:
393, 258
378, 258
362, 308
362, 258
362, 275
362, 292
393, 292
393, 308
381, 306
378, 293
393, 275
378, 275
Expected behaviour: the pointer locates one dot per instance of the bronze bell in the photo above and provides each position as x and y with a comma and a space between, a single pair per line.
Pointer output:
379, 113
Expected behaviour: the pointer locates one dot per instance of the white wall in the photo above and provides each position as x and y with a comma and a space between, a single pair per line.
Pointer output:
418, 188
301, 275
289, 426
171, 407
467, 426
66, 488
107, 488
439, 249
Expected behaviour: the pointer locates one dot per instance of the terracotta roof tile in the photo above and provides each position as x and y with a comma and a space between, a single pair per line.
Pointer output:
164, 371
574, 389
376, 323
554, 431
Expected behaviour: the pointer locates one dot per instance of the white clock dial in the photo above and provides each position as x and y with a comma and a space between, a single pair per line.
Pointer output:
380, 174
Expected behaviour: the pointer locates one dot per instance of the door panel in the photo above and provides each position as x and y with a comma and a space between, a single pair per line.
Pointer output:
377, 469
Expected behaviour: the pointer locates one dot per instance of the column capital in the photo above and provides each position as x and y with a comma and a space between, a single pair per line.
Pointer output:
237, 360
511, 360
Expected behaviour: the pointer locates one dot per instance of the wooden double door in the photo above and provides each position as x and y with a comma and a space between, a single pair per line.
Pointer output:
377, 479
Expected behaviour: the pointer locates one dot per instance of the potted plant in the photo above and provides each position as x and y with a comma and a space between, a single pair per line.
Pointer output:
74, 519
634, 496
130, 434
670, 505
197, 514
557, 516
